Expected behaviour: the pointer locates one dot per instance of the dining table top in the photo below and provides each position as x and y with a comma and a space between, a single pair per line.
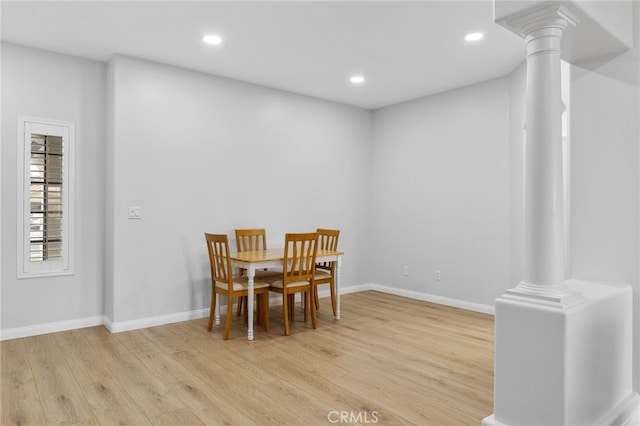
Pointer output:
253, 259
275, 254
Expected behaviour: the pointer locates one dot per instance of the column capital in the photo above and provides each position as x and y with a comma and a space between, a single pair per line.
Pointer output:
525, 22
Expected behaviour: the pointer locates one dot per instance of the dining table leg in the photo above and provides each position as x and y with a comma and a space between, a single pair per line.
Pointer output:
251, 272
338, 266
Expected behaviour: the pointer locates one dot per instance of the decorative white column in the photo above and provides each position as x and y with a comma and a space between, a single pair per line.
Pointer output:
544, 218
563, 353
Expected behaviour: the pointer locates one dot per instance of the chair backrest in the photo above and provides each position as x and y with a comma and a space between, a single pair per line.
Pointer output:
218, 247
251, 239
327, 240
300, 256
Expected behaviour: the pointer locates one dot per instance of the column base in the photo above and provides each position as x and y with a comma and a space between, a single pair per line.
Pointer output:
560, 295
564, 358
627, 413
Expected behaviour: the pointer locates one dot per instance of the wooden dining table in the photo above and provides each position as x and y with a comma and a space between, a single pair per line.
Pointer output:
273, 258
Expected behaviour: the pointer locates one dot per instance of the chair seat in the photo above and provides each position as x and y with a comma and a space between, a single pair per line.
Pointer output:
278, 283
262, 274
321, 274
242, 284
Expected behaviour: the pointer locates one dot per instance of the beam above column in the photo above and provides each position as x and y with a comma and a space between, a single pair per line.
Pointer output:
606, 28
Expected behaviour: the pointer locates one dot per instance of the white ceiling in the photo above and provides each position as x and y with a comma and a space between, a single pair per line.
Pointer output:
405, 49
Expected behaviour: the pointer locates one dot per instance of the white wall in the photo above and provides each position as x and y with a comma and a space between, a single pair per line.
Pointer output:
441, 194
433, 183
517, 118
201, 153
605, 133
43, 84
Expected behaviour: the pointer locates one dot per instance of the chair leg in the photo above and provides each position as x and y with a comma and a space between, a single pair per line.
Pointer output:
312, 306
258, 315
265, 310
285, 312
333, 297
261, 314
212, 310
317, 298
227, 324
291, 300
305, 305
241, 300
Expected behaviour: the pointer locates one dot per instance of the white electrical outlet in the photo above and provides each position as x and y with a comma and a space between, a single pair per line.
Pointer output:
405, 270
135, 212
437, 276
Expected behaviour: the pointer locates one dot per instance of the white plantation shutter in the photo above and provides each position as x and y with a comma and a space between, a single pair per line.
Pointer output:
46, 201
47, 206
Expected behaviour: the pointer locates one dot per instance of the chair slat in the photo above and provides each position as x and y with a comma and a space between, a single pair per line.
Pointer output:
249, 240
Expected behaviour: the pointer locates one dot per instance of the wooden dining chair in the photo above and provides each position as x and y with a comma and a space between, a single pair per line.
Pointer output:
224, 283
326, 271
298, 272
251, 240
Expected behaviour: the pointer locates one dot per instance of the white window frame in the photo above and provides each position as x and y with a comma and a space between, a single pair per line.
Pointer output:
64, 265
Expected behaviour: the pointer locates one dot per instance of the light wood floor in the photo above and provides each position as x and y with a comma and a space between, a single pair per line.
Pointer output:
388, 361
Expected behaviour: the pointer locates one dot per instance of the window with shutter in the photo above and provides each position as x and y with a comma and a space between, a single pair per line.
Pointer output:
46, 213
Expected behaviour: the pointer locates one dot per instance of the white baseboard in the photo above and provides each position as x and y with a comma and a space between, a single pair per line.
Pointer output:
440, 300
54, 327
117, 327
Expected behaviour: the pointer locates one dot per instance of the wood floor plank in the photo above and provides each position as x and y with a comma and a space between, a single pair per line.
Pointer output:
112, 405
61, 396
182, 417
210, 406
89, 422
12, 356
402, 361
303, 405
20, 402
83, 359
236, 387
149, 392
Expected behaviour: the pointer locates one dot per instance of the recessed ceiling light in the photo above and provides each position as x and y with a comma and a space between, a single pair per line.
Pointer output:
357, 79
212, 39
474, 36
